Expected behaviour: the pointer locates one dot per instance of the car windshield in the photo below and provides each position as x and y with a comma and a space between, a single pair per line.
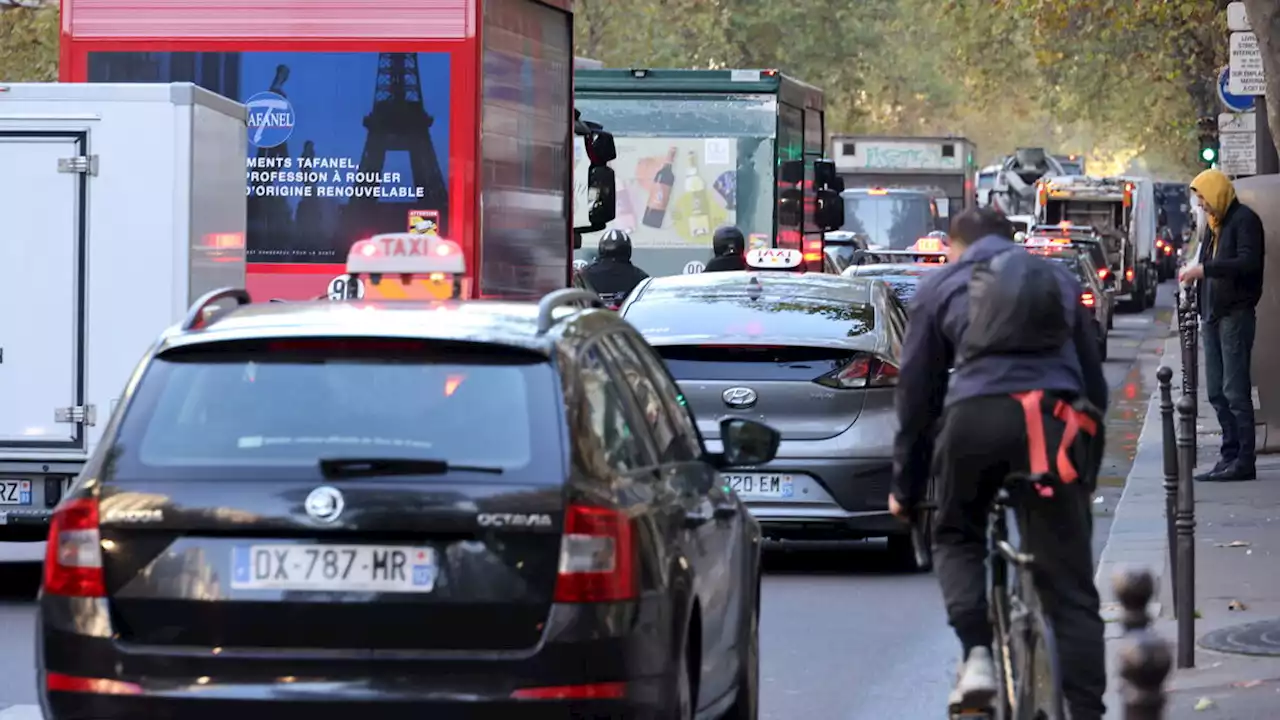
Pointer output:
986, 181
284, 405
894, 221
789, 312
687, 164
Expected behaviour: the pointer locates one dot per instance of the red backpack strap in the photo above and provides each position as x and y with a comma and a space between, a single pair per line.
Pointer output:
1037, 449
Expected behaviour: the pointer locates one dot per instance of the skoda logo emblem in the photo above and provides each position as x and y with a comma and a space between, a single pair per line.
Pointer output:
740, 398
325, 504
270, 119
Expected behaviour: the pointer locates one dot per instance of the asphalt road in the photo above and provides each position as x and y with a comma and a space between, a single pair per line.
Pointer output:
843, 635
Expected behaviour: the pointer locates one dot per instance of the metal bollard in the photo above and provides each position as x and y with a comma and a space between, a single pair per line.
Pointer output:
1189, 334
1169, 443
1184, 596
1144, 656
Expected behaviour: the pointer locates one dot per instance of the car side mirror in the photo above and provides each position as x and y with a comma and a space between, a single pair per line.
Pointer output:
602, 189
828, 213
747, 442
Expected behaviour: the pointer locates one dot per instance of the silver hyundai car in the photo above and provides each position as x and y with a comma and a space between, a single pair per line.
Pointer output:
815, 356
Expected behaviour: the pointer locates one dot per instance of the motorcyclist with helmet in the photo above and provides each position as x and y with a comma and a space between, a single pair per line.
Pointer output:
729, 249
611, 274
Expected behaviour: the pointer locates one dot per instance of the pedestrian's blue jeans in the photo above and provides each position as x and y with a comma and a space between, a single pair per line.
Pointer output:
1228, 347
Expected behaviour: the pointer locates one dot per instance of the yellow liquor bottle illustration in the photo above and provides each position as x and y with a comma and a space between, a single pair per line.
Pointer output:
700, 204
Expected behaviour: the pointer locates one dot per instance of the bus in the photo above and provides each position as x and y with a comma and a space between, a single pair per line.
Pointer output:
697, 149
379, 116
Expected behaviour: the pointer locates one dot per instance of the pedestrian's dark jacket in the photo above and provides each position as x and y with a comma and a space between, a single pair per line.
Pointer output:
1233, 264
725, 263
613, 277
939, 318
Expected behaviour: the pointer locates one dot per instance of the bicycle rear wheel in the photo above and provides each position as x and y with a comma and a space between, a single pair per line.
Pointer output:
1039, 686
1003, 656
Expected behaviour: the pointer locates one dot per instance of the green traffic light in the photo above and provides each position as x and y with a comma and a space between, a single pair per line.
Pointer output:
1208, 154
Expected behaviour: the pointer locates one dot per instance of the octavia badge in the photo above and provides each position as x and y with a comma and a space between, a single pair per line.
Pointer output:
739, 398
325, 504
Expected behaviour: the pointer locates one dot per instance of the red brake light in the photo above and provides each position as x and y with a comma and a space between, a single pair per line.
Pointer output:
1103, 273
597, 556
863, 371
813, 251
57, 682
1128, 274
73, 556
1087, 299
609, 690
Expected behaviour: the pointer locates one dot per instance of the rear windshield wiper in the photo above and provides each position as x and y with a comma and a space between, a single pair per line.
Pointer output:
375, 467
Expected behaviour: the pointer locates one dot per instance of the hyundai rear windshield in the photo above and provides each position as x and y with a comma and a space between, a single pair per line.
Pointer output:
284, 405
738, 316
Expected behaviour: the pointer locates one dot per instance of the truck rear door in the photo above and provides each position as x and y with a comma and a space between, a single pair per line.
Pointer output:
42, 206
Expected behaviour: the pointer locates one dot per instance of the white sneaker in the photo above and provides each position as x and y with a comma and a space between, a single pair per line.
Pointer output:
976, 687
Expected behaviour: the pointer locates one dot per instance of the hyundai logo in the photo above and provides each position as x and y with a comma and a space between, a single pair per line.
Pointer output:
739, 397
325, 504
271, 119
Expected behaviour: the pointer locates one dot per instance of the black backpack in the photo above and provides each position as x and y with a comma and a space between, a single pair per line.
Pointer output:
1015, 308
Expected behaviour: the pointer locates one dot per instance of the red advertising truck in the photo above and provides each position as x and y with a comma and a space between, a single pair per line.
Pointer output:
444, 117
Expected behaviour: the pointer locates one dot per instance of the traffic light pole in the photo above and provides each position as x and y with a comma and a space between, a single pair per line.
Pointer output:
1268, 161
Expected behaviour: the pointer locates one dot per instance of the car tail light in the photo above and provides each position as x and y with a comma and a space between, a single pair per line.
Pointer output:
597, 556
57, 682
73, 556
1128, 274
1087, 299
1103, 273
863, 371
594, 691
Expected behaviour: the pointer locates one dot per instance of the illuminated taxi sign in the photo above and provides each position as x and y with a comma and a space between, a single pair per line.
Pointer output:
775, 259
404, 266
928, 245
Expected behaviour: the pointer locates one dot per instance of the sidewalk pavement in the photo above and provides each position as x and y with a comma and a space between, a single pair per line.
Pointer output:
1237, 547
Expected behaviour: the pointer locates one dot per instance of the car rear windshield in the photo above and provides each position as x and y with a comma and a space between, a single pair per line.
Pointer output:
235, 409
783, 319
894, 221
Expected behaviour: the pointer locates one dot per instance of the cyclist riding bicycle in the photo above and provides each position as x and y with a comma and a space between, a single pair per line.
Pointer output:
612, 273
729, 248
1021, 341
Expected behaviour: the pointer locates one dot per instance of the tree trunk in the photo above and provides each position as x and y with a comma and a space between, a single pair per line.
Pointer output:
1264, 17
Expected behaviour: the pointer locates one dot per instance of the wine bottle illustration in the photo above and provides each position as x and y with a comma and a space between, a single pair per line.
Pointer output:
700, 208
660, 196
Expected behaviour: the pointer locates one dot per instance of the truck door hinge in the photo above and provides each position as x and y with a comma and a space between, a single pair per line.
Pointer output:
87, 164
79, 414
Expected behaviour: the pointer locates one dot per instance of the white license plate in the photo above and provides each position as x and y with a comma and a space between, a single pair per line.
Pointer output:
753, 485
329, 568
15, 492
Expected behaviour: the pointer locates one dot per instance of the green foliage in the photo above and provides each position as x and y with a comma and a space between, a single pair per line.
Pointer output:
28, 44
1115, 79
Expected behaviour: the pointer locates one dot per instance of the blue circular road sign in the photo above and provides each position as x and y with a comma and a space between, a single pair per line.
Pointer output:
1234, 103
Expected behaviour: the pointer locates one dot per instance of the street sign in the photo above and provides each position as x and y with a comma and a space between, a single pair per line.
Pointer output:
1237, 122
1238, 153
1246, 66
1237, 19
1233, 102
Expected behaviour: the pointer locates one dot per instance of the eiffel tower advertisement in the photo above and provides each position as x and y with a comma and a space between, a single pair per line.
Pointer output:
398, 122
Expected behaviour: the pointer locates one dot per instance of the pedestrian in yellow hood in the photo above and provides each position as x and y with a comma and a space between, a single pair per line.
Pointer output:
1230, 285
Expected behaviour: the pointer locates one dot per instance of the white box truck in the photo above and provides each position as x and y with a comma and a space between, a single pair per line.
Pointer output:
119, 206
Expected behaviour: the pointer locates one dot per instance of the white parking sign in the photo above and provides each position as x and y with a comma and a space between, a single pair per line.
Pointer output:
693, 267
338, 287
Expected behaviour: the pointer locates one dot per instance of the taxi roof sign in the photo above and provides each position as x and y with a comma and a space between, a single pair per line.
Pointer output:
406, 254
774, 259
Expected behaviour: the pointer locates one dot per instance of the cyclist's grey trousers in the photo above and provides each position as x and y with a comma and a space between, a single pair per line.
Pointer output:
982, 440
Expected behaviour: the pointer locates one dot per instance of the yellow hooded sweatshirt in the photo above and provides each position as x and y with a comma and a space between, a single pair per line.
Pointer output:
1218, 194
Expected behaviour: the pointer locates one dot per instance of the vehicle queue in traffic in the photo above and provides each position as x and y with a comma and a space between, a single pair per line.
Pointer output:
301, 507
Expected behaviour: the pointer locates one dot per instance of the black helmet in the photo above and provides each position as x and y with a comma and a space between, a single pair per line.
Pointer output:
615, 245
728, 240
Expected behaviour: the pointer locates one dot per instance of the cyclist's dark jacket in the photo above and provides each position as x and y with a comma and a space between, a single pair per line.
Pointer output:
939, 318
725, 263
611, 277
